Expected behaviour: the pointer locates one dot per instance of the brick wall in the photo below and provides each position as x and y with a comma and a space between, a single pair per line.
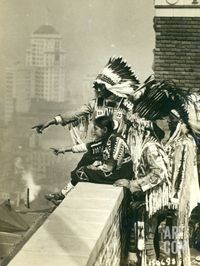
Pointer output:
177, 50
110, 252
114, 247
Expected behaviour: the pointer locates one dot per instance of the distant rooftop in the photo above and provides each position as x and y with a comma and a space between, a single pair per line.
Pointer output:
46, 29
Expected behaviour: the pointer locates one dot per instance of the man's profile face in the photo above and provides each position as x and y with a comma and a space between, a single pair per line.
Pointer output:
172, 122
101, 91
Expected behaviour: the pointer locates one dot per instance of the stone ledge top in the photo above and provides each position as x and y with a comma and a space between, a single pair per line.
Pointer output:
177, 8
177, 3
75, 230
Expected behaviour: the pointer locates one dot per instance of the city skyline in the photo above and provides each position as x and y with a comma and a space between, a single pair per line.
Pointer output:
92, 31
46, 58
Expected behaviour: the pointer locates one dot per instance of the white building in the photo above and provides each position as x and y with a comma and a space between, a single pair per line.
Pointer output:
43, 77
47, 58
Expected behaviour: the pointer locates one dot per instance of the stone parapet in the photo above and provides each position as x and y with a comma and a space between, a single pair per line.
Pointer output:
177, 8
84, 230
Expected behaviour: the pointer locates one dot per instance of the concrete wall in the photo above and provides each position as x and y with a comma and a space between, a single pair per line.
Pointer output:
86, 229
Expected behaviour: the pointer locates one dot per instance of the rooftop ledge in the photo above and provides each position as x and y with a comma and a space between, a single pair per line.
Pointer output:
177, 8
176, 3
77, 232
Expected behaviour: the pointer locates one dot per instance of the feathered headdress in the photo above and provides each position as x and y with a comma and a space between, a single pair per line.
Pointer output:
159, 98
118, 77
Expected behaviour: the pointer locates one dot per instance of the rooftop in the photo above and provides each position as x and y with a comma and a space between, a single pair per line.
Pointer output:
74, 234
46, 29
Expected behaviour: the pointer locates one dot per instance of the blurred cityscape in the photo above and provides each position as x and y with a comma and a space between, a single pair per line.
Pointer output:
34, 93
47, 83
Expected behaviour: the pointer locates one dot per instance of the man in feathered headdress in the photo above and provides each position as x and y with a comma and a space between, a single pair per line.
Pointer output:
185, 191
149, 188
112, 87
161, 99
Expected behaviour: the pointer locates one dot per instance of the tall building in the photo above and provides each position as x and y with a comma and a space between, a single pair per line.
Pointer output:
8, 95
19, 87
43, 76
47, 59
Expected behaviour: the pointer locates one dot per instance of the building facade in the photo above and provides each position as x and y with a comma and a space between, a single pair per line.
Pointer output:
176, 54
42, 78
47, 59
19, 86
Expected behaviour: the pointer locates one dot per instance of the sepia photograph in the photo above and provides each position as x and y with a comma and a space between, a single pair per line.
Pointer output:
100, 132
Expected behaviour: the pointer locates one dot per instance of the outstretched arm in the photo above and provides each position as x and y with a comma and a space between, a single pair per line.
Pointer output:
67, 118
40, 127
60, 151
75, 149
70, 117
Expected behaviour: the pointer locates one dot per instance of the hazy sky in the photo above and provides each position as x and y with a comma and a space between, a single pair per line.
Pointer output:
92, 31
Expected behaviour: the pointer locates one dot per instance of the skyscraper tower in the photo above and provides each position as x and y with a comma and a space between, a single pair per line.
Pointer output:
18, 90
47, 59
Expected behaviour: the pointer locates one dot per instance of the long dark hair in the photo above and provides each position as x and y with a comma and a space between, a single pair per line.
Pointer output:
105, 122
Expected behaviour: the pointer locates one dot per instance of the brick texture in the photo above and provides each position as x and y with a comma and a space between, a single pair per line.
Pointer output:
177, 50
113, 251
110, 253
